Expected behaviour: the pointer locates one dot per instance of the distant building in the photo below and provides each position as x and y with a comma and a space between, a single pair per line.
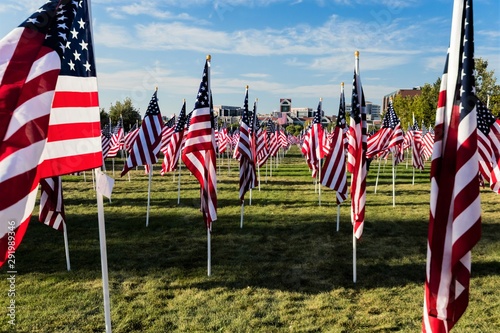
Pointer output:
373, 117
228, 114
416, 91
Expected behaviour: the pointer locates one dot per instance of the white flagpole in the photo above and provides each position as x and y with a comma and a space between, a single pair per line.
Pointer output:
242, 214
179, 185
84, 177
209, 251
393, 182
150, 175
66, 246
413, 179
258, 173
267, 162
319, 183
113, 161
378, 172
104, 260
353, 256
250, 203
338, 217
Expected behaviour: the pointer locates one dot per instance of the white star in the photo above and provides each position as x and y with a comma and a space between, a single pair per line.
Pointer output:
81, 23
84, 45
87, 66
77, 55
32, 20
61, 18
71, 65
74, 33
62, 26
62, 35
68, 44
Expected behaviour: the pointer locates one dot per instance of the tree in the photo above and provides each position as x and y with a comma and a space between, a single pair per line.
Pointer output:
486, 85
104, 117
127, 111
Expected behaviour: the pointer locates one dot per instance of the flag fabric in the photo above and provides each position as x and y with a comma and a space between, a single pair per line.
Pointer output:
117, 139
51, 203
146, 146
223, 140
455, 208
333, 173
488, 142
105, 140
130, 137
248, 176
199, 149
416, 146
356, 156
272, 141
314, 142
49, 121
175, 143
427, 142
166, 134
389, 135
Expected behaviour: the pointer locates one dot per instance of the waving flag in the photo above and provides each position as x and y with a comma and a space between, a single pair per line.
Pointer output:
117, 139
49, 121
105, 140
248, 176
313, 144
455, 213
334, 172
199, 150
388, 136
416, 145
130, 137
166, 134
146, 146
356, 157
174, 146
488, 142
51, 203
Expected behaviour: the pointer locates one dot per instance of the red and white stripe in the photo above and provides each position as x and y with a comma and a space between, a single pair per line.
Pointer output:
51, 203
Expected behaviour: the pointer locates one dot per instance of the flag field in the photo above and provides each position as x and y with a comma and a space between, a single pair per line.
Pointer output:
286, 270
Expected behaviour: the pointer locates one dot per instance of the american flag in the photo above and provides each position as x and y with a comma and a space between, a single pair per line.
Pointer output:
248, 176
51, 203
272, 140
455, 207
334, 172
175, 143
488, 144
146, 146
356, 156
388, 136
223, 140
117, 139
416, 145
130, 137
45, 72
312, 147
166, 134
199, 150
105, 140
427, 142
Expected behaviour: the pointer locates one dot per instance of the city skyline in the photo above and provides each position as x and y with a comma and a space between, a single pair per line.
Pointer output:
301, 50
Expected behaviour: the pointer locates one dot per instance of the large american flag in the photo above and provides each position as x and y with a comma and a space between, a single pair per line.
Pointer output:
416, 146
333, 173
146, 146
166, 134
455, 208
488, 144
388, 136
356, 156
51, 203
248, 176
49, 122
199, 149
173, 150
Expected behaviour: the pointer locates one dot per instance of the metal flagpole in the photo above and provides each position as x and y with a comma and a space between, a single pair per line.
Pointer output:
66, 246
179, 185
378, 172
353, 255
393, 182
150, 175
338, 217
242, 213
209, 250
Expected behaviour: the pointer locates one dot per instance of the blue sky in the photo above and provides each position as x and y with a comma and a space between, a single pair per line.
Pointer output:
297, 49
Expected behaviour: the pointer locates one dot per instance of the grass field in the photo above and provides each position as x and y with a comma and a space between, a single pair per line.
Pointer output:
286, 270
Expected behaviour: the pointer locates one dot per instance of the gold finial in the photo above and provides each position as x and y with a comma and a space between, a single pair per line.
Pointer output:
183, 100
356, 54
246, 86
342, 84
209, 57
156, 88
321, 99
257, 99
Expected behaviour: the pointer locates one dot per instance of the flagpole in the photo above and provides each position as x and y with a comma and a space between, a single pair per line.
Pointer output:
179, 185
393, 182
258, 173
250, 202
378, 172
104, 259
209, 250
150, 176
338, 217
242, 213
66, 246
319, 182
353, 256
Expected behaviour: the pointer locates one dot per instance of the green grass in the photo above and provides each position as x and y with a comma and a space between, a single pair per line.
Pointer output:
287, 270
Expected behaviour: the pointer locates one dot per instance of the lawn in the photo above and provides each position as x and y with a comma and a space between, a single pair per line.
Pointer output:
286, 270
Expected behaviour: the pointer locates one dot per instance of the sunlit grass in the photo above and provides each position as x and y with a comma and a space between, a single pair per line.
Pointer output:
286, 270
